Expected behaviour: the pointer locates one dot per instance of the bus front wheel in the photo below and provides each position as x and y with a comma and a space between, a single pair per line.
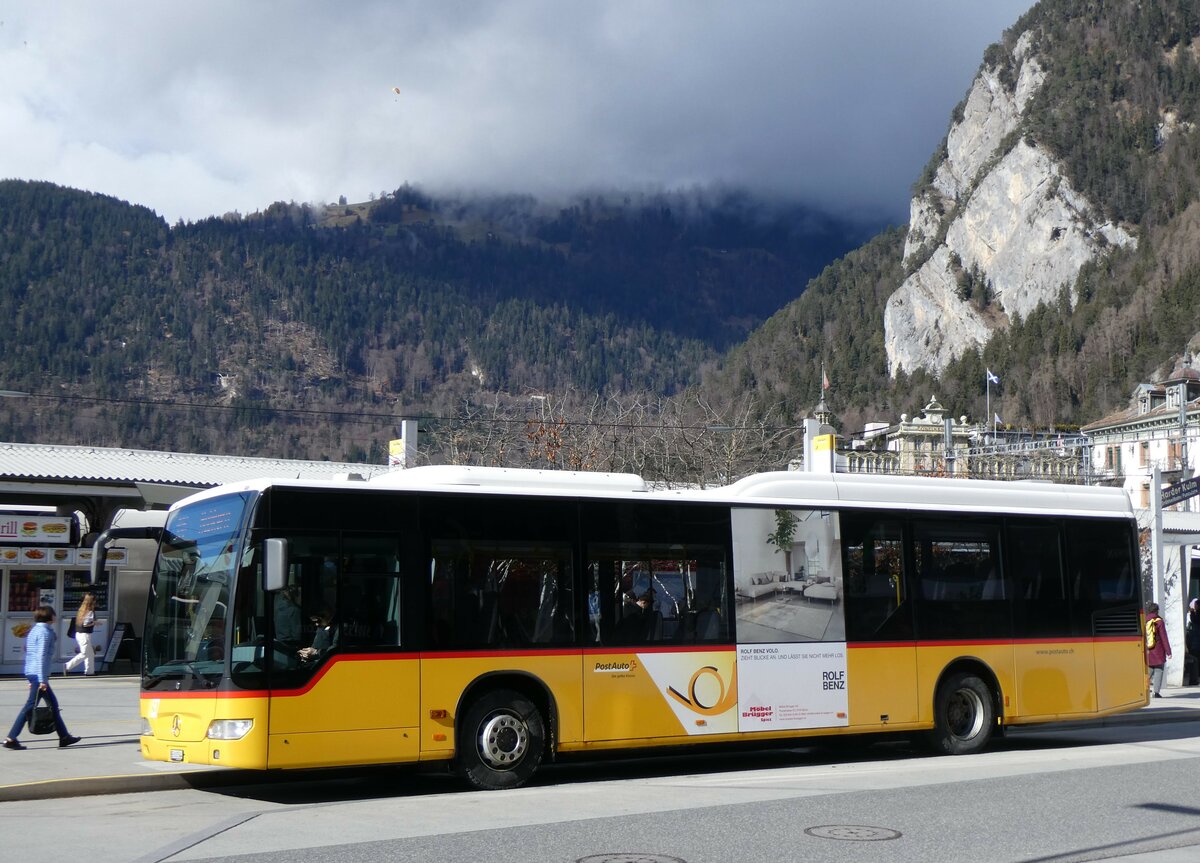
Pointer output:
964, 715
501, 740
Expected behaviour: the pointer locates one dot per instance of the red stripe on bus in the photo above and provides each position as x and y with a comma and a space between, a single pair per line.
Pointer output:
482, 654
1099, 639
676, 648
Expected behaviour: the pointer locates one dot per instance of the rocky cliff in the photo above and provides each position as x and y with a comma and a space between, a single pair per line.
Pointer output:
997, 231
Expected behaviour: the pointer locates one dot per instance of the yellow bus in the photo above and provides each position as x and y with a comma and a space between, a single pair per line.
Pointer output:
492, 619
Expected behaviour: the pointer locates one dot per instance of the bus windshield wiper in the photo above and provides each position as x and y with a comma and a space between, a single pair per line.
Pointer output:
170, 669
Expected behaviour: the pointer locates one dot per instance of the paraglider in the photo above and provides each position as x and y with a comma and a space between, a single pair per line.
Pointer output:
396, 90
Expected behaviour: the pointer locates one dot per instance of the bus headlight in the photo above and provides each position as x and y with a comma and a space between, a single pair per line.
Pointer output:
147, 731
229, 729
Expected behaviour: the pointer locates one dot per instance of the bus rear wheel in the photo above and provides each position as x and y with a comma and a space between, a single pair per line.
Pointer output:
964, 715
501, 740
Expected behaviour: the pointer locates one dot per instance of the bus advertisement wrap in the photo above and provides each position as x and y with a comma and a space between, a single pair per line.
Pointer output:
791, 686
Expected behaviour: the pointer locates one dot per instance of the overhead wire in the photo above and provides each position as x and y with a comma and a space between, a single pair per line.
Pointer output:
364, 418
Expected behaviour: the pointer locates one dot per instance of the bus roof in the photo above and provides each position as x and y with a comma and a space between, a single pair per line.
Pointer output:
933, 493
781, 488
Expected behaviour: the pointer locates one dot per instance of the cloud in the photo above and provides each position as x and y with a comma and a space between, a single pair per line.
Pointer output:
202, 109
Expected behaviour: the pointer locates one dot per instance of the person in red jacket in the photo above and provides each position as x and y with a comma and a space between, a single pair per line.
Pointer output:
1158, 648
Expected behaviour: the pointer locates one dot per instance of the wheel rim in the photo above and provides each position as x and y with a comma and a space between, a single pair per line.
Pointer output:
964, 714
503, 741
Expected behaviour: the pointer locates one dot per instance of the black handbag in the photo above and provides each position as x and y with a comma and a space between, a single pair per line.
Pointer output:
41, 717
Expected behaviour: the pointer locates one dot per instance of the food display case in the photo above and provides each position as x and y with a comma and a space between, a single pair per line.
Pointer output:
29, 588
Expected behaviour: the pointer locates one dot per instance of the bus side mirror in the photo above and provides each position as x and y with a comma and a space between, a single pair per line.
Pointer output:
275, 564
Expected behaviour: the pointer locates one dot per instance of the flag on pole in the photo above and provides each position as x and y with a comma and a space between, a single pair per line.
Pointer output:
824, 379
997, 419
991, 378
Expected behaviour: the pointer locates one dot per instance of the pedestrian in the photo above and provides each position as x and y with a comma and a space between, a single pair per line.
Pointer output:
85, 624
1191, 644
39, 653
1158, 648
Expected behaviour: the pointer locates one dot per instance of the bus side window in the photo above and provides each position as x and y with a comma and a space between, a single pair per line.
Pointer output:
1101, 560
643, 593
1034, 560
876, 595
963, 593
486, 593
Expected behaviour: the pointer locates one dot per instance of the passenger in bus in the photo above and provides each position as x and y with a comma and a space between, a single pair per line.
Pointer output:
325, 636
594, 614
640, 619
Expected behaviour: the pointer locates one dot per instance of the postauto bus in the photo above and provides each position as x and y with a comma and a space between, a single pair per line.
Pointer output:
491, 619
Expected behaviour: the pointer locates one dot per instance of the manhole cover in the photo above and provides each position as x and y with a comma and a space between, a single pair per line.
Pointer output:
852, 833
627, 857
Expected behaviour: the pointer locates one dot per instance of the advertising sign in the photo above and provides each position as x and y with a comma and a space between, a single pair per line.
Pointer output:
792, 685
823, 451
35, 528
14, 641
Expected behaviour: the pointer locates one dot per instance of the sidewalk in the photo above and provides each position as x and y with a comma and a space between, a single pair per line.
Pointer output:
103, 710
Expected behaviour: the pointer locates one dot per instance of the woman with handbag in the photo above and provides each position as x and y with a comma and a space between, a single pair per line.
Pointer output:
85, 623
39, 653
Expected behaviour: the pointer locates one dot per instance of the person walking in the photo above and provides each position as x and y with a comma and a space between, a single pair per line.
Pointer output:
1158, 648
39, 653
85, 624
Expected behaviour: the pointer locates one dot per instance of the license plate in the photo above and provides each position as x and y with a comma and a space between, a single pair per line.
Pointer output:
176, 754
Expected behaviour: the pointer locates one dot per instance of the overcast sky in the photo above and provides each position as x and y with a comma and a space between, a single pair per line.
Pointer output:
202, 108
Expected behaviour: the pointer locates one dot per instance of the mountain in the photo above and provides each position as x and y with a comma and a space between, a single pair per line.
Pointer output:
1053, 239
314, 328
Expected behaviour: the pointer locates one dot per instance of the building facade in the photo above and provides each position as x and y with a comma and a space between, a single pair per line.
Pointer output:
1160, 429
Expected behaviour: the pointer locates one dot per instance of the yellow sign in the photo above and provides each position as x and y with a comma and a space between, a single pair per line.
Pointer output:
823, 443
396, 452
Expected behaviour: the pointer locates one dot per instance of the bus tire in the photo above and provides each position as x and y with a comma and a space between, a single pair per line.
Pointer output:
964, 715
501, 740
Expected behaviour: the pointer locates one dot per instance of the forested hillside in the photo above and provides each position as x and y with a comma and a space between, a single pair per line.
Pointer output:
405, 306
1120, 108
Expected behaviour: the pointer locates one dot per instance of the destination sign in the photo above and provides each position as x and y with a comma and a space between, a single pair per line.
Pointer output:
1180, 491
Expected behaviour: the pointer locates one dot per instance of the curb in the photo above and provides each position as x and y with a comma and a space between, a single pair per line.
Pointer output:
1156, 716
129, 783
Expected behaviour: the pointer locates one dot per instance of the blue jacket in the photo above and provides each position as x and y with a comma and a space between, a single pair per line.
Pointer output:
39, 651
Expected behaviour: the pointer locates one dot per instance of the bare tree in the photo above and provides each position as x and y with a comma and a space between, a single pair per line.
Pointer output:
681, 441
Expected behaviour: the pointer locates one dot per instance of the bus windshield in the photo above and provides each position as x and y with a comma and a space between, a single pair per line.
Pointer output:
189, 594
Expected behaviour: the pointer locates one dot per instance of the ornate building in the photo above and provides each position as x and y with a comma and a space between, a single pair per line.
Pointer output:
933, 444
